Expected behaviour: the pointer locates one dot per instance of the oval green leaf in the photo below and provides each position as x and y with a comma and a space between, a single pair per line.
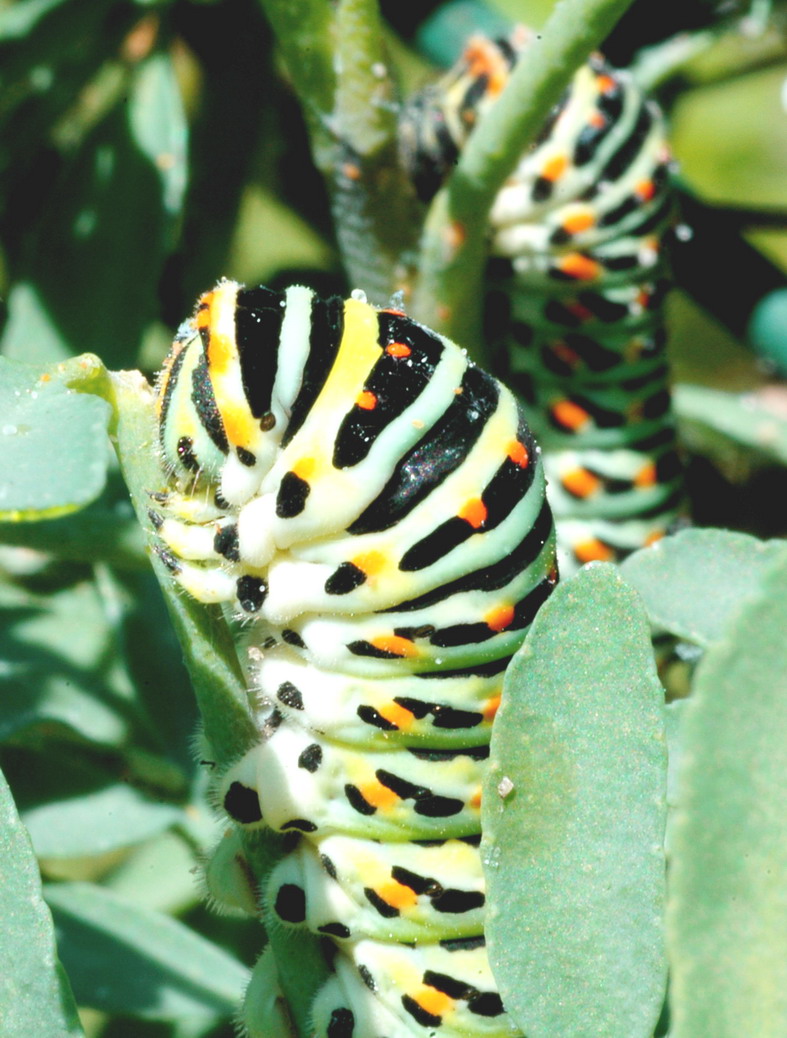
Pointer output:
35, 996
573, 817
54, 447
693, 583
727, 915
713, 421
73, 809
127, 959
61, 666
91, 281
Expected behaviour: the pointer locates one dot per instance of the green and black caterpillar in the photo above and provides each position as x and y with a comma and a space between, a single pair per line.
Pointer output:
579, 278
372, 505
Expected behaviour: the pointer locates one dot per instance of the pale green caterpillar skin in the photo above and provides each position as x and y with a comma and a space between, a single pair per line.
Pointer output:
576, 259
372, 506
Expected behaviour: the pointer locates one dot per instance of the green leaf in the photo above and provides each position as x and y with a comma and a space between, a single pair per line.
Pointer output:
714, 422
573, 818
157, 126
74, 808
49, 51
54, 445
60, 667
155, 664
727, 916
91, 283
17, 21
98, 533
129, 960
159, 874
35, 997
694, 582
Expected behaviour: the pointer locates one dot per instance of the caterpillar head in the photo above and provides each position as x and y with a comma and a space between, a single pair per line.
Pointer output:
218, 423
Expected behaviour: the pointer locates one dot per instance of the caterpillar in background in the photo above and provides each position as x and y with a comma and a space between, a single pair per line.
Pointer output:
372, 505
579, 278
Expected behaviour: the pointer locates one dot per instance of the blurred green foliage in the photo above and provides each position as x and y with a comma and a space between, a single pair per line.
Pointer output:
147, 148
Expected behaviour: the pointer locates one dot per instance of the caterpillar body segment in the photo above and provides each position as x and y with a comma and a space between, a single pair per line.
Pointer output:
371, 506
577, 276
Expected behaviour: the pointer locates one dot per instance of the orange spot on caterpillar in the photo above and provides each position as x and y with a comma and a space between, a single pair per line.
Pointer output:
367, 400
653, 537
570, 415
398, 349
220, 350
499, 618
46, 377
304, 468
433, 1001
579, 311
635, 412
475, 799
397, 895
485, 59
371, 562
140, 40
455, 235
578, 266
474, 512
593, 550
378, 795
518, 453
645, 190
554, 168
647, 476
597, 121
581, 220
491, 708
580, 482
395, 644
351, 171
565, 353
237, 426
605, 84
397, 715
634, 349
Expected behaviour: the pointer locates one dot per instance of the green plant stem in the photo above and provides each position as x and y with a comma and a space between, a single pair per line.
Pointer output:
305, 34
453, 250
375, 211
365, 102
348, 96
